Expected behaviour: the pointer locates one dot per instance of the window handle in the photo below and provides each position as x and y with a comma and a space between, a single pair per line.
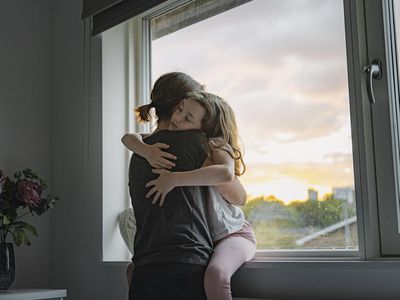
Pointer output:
373, 72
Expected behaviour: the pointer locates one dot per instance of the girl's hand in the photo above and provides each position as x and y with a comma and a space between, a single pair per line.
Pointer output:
161, 186
158, 158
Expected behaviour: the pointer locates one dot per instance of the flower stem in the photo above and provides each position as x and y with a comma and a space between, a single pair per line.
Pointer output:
23, 215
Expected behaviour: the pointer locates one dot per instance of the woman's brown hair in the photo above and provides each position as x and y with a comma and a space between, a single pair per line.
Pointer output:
167, 92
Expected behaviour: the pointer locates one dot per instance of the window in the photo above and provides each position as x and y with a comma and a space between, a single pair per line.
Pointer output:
322, 161
396, 9
282, 66
372, 139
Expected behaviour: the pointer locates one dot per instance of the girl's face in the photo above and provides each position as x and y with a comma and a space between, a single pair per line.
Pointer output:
188, 116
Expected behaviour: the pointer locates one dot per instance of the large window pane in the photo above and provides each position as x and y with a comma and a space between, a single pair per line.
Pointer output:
282, 67
396, 5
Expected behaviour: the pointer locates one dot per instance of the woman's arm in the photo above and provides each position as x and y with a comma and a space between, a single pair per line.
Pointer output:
152, 153
221, 172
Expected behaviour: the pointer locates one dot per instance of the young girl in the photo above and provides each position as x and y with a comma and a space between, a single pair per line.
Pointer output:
233, 236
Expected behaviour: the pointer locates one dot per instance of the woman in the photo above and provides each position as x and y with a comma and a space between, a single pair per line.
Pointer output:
234, 240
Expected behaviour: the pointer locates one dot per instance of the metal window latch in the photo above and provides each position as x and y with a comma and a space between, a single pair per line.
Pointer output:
374, 71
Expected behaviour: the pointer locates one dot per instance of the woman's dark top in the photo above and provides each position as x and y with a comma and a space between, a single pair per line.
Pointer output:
178, 230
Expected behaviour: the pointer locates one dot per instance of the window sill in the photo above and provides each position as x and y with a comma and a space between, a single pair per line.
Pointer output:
389, 263
121, 263
339, 263
345, 280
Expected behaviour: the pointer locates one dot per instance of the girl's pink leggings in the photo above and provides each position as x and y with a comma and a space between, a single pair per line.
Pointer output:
229, 254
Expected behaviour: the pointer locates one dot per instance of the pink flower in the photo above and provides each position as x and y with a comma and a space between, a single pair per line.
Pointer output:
29, 192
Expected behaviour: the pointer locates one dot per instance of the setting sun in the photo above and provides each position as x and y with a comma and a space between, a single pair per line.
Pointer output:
286, 189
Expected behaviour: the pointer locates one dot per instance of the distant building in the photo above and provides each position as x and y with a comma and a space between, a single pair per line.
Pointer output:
312, 195
344, 193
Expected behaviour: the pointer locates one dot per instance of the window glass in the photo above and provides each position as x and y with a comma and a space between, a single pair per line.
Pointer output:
396, 5
282, 67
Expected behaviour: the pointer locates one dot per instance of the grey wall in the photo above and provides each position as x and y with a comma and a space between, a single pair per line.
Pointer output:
25, 116
76, 238
41, 126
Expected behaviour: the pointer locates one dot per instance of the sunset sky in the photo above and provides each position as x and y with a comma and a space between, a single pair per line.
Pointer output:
282, 67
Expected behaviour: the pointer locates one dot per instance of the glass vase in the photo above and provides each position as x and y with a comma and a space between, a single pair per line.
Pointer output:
7, 265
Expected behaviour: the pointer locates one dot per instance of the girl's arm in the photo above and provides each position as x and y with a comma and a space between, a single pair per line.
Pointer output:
221, 172
233, 192
152, 153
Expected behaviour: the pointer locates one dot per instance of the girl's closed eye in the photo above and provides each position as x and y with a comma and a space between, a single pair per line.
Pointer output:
189, 115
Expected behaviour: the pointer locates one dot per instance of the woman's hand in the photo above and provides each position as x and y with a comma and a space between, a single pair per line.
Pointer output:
161, 186
158, 158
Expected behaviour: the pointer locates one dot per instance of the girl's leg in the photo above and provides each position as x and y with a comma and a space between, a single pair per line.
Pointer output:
229, 254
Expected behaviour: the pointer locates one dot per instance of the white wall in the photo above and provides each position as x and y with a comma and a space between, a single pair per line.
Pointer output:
25, 116
114, 124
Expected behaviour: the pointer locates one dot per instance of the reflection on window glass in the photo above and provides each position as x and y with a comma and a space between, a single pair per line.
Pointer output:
282, 67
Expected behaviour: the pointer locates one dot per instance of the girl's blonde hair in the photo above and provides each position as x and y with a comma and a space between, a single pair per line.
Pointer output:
220, 122
211, 115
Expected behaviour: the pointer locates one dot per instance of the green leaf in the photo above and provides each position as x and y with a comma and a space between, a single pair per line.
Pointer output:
30, 228
20, 236
43, 183
17, 175
26, 226
17, 237
6, 220
25, 239
27, 173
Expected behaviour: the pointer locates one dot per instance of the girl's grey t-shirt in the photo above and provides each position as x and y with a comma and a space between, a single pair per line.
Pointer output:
178, 231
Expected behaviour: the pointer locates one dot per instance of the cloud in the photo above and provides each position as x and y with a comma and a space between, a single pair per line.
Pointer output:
286, 120
280, 64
